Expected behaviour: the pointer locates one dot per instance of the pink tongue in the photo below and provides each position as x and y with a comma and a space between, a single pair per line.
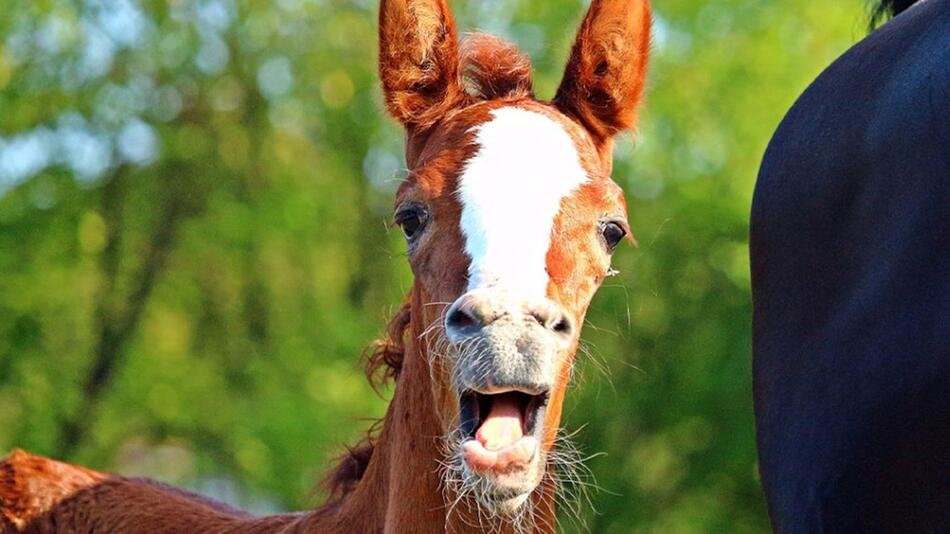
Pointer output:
502, 427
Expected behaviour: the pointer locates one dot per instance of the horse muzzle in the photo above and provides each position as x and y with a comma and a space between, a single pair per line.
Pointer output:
506, 362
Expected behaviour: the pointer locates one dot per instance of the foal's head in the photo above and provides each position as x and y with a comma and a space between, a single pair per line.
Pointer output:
511, 217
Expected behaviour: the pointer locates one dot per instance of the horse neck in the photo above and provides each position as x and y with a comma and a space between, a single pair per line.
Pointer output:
401, 487
401, 490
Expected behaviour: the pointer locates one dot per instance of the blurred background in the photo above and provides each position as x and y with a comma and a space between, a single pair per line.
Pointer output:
194, 197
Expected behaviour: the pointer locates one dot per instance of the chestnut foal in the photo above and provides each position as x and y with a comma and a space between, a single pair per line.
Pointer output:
510, 217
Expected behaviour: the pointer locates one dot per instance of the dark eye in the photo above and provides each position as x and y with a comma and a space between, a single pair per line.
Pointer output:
412, 219
613, 233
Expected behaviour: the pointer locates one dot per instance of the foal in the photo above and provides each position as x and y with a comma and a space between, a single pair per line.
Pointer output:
510, 217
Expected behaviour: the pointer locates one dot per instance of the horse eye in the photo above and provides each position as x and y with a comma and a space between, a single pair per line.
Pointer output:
613, 233
411, 219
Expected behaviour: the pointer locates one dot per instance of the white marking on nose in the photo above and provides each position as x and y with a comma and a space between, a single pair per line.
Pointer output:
511, 192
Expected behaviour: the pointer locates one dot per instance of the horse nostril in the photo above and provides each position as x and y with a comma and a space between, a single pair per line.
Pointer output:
459, 318
553, 319
468, 315
563, 326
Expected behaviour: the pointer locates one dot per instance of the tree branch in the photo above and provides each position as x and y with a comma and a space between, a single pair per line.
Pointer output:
118, 322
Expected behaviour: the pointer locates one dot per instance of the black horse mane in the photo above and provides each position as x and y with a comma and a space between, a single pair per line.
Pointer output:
884, 9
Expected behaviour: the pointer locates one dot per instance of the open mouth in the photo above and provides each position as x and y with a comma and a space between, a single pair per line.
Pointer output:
501, 431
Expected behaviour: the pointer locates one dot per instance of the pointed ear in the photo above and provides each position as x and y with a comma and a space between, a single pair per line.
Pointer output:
604, 78
418, 61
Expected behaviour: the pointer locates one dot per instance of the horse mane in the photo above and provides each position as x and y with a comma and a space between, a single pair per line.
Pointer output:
494, 68
350, 467
383, 362
885, 9
384, 357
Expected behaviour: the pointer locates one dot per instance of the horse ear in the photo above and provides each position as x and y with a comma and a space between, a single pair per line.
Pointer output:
604, 78
418, 61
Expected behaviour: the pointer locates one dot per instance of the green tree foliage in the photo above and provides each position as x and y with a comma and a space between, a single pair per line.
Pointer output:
194, 248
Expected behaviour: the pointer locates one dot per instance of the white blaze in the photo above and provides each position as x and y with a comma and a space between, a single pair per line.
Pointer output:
511, 192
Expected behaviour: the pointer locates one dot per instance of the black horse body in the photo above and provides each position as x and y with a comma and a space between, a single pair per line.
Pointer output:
850, 248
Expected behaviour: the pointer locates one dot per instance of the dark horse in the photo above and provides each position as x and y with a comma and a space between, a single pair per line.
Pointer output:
850, 248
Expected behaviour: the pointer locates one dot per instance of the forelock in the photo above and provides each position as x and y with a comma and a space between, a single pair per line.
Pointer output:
494, 68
